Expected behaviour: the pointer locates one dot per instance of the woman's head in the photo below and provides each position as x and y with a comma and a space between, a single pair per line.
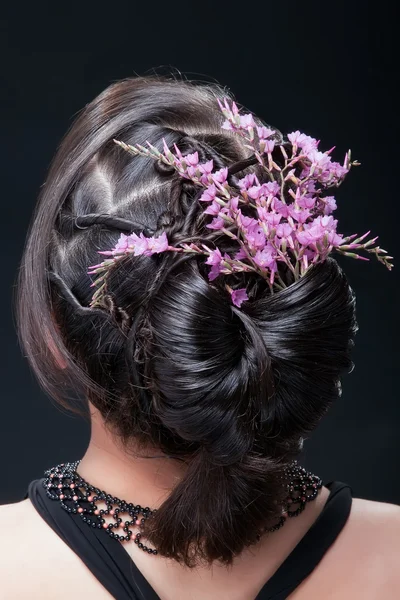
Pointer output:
167, 359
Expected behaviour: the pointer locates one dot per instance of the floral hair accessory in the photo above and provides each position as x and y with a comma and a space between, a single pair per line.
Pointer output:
287, 219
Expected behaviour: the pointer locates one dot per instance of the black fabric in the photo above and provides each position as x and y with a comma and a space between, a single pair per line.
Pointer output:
116, 571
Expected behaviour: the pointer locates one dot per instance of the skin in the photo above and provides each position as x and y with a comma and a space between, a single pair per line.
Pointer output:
363, 563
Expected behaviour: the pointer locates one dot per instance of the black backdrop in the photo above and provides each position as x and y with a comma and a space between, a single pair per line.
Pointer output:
329, 70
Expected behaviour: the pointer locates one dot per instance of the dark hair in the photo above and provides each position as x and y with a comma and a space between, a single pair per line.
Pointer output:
167, 359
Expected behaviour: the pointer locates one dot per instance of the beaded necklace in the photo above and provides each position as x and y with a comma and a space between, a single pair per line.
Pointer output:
78, 497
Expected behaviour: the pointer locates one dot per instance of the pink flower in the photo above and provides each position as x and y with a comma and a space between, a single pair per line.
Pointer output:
283, 230
273, 218
157, 244
300, 140
272, 188
227, 125
330, 204
215, 259
269, 146
228, 111
241, 254
247, 121
122, 244
233, 206
213, 209
338, 170
209, 194
206, 167
246, 182
245, 223
300, 215
220, 175
205, 170
191, 171
138, 244
314, 232
255, 238
264, 132
306, 201
280, 207
255, 192
239, 296
216, 223
266, 258
192, 159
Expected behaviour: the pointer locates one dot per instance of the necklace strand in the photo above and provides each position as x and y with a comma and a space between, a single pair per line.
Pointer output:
78, 497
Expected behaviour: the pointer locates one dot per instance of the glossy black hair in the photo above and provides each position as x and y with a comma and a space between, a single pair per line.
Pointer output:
167, 359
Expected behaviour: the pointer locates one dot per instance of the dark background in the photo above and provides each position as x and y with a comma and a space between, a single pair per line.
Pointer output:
329, 70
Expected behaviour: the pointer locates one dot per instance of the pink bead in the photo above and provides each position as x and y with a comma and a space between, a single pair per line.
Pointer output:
90, 498
51, 475
75, 498
105, 525
112, 513
96, 512
62, 496
72, 486
80, 510
137, 522
60, 486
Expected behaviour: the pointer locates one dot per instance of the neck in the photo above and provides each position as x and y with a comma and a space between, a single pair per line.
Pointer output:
139, 477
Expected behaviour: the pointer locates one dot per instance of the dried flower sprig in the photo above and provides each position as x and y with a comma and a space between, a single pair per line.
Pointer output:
292, 222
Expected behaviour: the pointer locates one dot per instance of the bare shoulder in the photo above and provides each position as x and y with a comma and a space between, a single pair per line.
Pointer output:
380, 518
23, 539
30, 557
363, 562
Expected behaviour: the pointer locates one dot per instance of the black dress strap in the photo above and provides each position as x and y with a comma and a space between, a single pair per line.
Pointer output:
314, 544
116, 571
105, 558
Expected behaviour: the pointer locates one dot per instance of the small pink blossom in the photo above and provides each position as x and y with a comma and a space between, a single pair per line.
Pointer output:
269, 146
264, 132
239, 296
233, 206
299, 214
155, 245
206, 167
215, 259
329, 204
300, 140
192, 159
266, 258
240, 254
245, 223
213, 208
246, 182
273, 218
209, 194
216, 223
256, 238
281, 207
247, 121
220, 176
227, 125
122, 244
306, 201
283, 230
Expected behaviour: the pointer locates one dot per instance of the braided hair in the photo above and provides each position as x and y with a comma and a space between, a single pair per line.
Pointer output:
167, 359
